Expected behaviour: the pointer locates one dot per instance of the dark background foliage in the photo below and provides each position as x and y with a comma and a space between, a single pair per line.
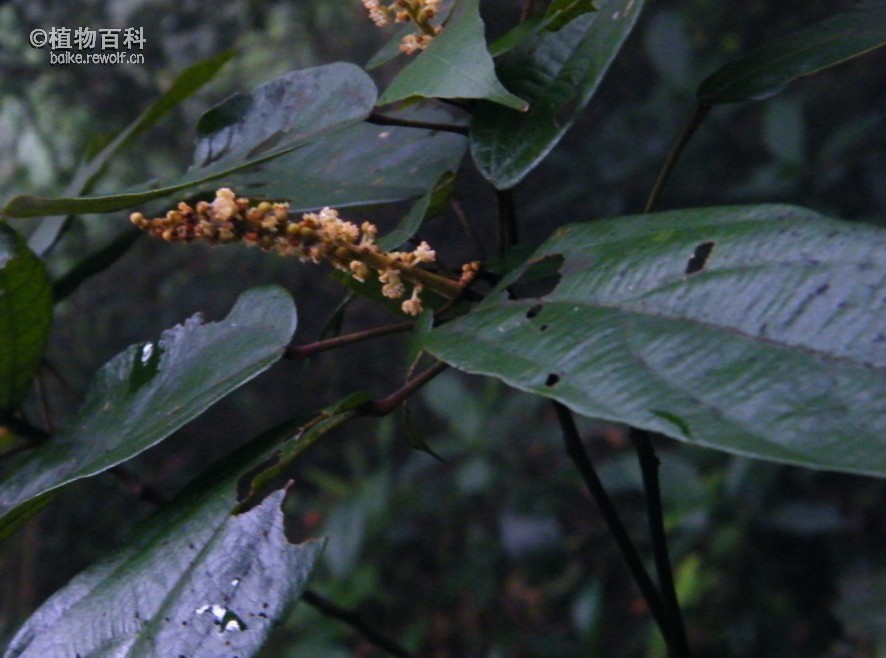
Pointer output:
494, 551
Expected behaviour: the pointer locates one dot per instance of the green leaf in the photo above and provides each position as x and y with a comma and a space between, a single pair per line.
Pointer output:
455, 65
185, 84
357, 166
768, 70
756, 330
150, 390
558, 73
273, 121
288, 110
192, 580
25, 316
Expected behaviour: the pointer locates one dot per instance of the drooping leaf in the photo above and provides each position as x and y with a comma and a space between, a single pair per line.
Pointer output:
148, 391
285, 111
557, 72
756, 330
242, 132
769, 69
359, 165
192, 580
185, 84
25, 316
457, 64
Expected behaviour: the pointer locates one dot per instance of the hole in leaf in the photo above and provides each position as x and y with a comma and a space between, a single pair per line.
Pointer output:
552, 379
699, 257
543, 327
540, 278
535, 310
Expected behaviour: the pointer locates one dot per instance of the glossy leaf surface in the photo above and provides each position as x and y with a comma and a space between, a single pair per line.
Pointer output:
558, 73
192, 581
457, 64
240, 133
756, 330
148, 391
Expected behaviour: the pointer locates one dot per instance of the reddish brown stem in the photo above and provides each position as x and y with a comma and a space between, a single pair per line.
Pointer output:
305, 351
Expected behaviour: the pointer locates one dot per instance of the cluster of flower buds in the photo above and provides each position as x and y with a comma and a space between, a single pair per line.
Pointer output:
419, 12
316, 237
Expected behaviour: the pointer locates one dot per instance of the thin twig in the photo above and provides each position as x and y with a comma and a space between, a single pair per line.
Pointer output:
649, 464
384, 120
386, 405
329, 609
575, 450
698, 116
310, 349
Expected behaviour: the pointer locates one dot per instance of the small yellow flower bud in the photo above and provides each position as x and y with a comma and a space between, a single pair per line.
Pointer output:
360, 270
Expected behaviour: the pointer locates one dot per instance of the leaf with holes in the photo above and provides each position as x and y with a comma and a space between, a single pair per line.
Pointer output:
757, 330
770, 69
557, 72
457, 64
150, 390
192, 580
25, 316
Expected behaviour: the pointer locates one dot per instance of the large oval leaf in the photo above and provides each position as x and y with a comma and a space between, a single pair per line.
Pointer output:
242, 132
191, 581
557, 72
457, 64
285, 111
757, 330
145, 393
359, 165
769, 69
25, 316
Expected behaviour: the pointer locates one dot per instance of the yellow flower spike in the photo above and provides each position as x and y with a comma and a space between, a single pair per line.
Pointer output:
318, 236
